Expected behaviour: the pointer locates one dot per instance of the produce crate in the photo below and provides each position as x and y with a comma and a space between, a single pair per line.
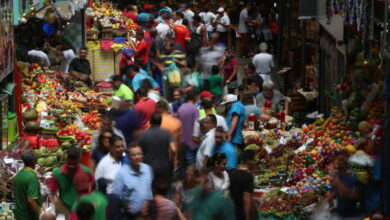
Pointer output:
119, 32
107, 34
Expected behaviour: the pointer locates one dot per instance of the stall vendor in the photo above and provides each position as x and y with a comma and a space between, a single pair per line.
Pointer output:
81, 68
270, 94
121, 91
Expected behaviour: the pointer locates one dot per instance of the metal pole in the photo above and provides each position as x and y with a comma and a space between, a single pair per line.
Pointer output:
303, 52
280, 32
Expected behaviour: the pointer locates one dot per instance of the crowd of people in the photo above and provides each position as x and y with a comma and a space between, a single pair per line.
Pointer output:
171, 147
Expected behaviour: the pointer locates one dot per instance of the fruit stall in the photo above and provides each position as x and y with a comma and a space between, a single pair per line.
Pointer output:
294, 165
55, 117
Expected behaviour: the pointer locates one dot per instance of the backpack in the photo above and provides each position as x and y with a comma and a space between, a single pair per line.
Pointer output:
173, 74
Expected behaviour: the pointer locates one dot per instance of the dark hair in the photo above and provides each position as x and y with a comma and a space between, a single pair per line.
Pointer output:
247, 99
114, 139
107, 117
115, 77
191, 95
213, 119
185, 22
133, 68
216, 158
101, 136
142, 92
162, 104
251, 66
180, 14
145, 83
29, 158
83, 48
156, 119
74, 153
215, 70
197, 18
207, 103
247, 155
132, 145
220, 129
85, 211
170, 43
140, 33
102, 184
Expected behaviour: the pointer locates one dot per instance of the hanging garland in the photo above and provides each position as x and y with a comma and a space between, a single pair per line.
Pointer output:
355, 12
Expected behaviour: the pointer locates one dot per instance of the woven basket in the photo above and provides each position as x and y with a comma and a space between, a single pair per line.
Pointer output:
93, 34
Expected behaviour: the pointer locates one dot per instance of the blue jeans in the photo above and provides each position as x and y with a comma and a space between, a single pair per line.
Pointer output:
189, 155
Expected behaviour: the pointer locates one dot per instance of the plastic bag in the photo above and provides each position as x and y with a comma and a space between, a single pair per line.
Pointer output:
173, 74
225, 90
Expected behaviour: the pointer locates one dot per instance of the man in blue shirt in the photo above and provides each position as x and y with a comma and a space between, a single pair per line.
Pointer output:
133, 182
235, 119
134, 76
221, 146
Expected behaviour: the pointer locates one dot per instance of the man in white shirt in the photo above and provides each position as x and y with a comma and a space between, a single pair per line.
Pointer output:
38, 53
206, 149
243, 29
223, 25
263, 62
164, 30
208, 18
188, 13
111, 163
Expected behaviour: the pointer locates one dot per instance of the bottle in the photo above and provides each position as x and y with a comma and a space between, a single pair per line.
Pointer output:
267, 107
252, 119
281, 120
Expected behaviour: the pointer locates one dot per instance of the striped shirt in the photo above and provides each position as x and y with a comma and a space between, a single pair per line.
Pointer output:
167, 59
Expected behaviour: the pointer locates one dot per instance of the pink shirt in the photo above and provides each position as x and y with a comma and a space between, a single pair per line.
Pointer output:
228, 69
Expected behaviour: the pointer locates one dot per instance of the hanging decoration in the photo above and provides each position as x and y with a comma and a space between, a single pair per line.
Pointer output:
355, 12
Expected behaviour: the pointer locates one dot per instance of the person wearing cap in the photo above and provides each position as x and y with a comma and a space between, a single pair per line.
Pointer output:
121, 91
263, 62
203, 95
188, 114
223, 25
235, 119
27, 190
83, 183
62, 181
207, 105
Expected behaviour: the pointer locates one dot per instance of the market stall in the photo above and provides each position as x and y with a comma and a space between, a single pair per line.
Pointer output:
109, 37
294, 165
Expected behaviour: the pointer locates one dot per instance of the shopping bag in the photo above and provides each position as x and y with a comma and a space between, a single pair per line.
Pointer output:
173, 75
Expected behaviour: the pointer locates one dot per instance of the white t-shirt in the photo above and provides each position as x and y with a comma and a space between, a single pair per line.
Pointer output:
263, 63
40, 54
178, 22
163, 30
217, 183
224, 20
208, 18
107, 168
206, 149
69, 55
189, 15
242, 25
220, 122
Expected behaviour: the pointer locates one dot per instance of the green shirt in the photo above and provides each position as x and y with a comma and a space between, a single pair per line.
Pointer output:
124, 92
26, 186
98, 200
215, 81
65, 186
213, 205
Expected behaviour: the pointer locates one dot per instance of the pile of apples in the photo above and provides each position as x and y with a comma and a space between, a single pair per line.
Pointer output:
82, 137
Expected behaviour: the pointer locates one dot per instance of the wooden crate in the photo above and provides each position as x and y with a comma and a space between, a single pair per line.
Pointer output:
107, 34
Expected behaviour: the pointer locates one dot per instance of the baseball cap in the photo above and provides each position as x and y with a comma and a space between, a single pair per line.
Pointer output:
206, 94
220, 9
82, 181
228, 99
263, 46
